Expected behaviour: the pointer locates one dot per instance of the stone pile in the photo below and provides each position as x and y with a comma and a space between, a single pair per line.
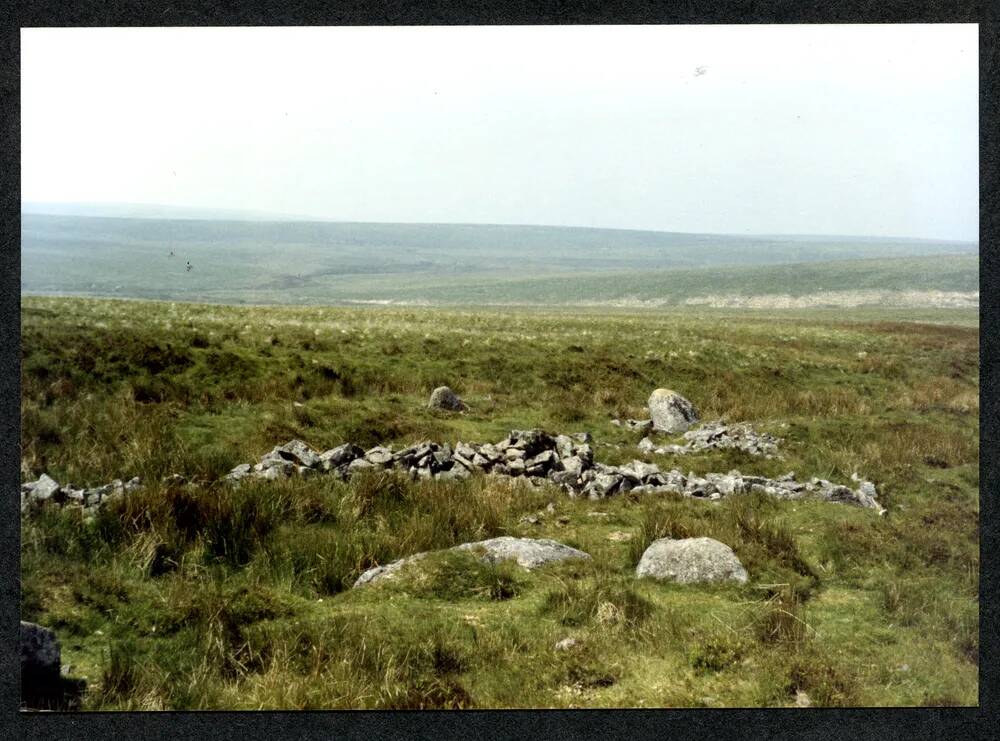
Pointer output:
531, 453
566, 460
719, 436
46, 491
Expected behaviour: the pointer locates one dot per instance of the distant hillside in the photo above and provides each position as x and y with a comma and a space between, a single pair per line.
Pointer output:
315, 262
152, 211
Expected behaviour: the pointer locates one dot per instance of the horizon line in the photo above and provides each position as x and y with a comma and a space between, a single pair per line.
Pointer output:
264, 216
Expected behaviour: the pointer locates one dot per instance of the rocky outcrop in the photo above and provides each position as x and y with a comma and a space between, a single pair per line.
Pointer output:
717, 435
671, 412
529, 553
690, 561
444, 398
639, 425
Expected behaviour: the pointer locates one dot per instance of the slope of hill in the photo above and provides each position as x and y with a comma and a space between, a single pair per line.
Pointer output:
317, 262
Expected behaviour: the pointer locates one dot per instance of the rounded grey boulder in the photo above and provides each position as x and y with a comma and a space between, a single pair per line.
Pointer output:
444, 398
671, 412
690, 561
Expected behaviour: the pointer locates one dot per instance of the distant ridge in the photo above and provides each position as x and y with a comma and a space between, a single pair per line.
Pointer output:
271, 261
157, 211
154, 211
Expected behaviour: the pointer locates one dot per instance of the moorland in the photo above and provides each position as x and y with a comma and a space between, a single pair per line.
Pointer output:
191, 593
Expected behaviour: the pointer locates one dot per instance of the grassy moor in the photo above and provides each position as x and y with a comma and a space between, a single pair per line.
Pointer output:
194, 593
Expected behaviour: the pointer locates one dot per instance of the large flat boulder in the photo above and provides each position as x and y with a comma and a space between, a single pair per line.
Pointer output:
529, 553
690, 561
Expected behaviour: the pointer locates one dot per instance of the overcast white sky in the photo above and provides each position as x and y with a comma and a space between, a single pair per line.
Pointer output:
869, 130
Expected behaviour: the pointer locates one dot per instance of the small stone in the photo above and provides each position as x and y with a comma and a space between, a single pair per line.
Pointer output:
359, 464
340, 455
239, 472
45, 488
296, 452
566, 644
379, 456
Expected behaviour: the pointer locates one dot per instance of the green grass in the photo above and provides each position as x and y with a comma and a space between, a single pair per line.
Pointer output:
202, 596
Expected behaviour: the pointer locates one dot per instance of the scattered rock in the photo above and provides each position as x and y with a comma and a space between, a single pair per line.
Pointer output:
239, 473
741, 436
718, 436
566, 644
618, 536
839, 494
690, 561
47, 492
389, 571
671, 412
444, 398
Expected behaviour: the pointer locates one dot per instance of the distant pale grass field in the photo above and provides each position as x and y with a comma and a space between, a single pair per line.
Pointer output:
207, 597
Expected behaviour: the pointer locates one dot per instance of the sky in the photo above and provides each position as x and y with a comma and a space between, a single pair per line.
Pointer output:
850, 130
